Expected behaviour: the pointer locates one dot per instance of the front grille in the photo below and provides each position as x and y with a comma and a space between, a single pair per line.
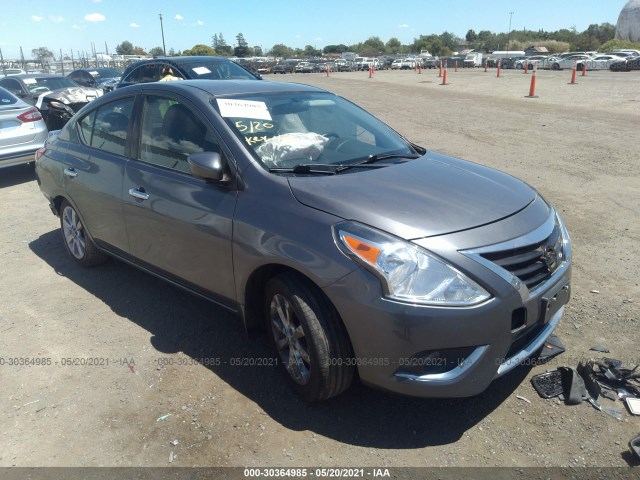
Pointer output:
532, 264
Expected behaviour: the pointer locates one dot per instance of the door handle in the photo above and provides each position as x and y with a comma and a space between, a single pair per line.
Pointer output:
142, 195
70, 172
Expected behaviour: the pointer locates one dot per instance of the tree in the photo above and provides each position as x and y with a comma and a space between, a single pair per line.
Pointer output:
280, 50
139, 51
257, 51
242, 50
393, 45
156, 52
335, 48
374, 45
617, 44
310, 51
220, 45
41, 53
200, 49
471, 36
125, 48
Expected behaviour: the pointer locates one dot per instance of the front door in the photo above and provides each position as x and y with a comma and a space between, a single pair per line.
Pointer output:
178, 225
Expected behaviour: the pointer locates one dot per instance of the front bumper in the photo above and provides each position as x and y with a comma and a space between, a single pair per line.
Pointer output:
430, 351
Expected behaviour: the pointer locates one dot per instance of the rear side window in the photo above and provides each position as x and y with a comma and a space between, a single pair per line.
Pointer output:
12, 85
106, 128
149, 72
7, 98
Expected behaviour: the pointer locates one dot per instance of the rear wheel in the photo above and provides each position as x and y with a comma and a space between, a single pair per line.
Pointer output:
76, 240
309, 338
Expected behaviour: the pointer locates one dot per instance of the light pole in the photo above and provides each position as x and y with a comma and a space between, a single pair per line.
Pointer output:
509, 34
164, 50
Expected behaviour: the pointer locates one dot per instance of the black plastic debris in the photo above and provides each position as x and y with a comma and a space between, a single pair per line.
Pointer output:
552, 347
600, 349
589, 381
548, 384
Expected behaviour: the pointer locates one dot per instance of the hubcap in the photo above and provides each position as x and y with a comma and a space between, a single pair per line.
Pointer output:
73, 233
290, 340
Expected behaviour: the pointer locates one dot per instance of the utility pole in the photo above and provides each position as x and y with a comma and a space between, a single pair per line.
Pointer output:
164, 50
62, 62
509, 34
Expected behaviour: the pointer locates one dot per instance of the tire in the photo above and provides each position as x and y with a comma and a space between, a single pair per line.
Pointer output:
555, 66
309, 338
519, 66
77, 242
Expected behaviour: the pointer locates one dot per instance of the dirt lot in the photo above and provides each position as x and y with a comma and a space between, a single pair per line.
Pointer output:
577, 144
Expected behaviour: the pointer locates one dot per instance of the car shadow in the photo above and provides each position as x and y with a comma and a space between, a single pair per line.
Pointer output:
181, 322
17, 175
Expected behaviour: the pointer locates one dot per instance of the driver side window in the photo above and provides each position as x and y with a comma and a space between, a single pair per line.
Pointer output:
170, 132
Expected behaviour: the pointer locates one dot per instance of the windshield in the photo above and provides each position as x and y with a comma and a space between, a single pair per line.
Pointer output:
99, 73
214, 70
288, 129
43, 84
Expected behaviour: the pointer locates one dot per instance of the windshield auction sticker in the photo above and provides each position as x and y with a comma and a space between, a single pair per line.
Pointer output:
243, 109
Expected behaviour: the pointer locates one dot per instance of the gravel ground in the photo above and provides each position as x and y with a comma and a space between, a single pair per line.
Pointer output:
577, 144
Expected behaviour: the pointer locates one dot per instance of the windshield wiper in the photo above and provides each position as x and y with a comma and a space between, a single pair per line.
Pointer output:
306, 168
377, 157
333, 168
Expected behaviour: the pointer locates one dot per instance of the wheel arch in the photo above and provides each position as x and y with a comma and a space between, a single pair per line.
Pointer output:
254, 291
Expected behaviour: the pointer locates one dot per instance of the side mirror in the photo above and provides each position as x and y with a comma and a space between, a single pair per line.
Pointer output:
206, 166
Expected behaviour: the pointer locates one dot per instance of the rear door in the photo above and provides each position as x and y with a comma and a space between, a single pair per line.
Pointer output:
178, 225
94, 171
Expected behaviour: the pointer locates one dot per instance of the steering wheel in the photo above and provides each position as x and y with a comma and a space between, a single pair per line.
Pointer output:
342, 143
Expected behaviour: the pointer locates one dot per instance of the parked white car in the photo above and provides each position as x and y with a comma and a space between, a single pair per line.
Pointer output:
600, 62
567, 62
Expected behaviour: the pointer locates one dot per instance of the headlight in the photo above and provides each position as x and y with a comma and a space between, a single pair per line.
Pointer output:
57, 104
408, 273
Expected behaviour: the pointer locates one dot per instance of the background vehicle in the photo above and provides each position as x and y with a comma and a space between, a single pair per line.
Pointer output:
11, 71
209, 68
285, 67
104, 78
568, 61
208, 176
306, 67
530, 61
22, 130
57, 97
494, 57
473, 59
599, 62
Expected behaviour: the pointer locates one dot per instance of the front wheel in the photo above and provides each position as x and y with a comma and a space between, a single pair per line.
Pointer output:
309, 338
76, 240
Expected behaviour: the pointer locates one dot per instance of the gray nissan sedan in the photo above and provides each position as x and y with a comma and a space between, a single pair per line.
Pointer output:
359, 252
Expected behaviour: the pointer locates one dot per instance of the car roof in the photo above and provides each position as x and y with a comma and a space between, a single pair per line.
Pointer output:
37, 75
178, 60
220, 88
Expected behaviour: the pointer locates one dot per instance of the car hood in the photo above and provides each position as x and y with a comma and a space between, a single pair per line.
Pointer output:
71, 95
429, 196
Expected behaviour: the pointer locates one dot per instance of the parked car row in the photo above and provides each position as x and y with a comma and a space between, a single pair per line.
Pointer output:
614, 60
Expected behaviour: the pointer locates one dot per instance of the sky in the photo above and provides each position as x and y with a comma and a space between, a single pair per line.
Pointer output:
77, 24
